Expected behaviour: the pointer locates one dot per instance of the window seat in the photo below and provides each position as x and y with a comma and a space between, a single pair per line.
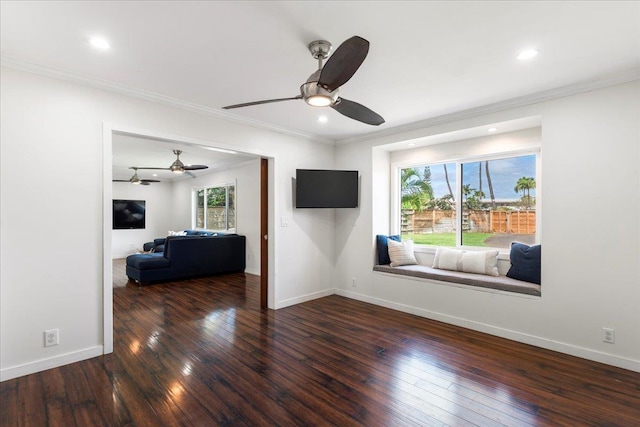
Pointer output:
501, 283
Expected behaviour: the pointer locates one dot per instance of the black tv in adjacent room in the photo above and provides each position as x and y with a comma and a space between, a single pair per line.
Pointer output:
128, 214
317, 188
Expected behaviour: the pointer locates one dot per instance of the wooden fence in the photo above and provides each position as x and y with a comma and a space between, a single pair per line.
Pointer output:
480, 221
216, 218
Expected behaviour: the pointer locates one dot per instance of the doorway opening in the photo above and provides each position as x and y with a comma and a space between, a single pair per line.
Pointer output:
159, 145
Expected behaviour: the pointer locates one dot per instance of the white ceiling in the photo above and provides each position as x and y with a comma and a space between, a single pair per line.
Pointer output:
427, 59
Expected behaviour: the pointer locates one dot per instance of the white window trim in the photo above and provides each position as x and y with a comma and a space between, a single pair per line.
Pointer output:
396, 168
194, 206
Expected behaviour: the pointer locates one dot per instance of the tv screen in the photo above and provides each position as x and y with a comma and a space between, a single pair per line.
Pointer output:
326, 188
128, 214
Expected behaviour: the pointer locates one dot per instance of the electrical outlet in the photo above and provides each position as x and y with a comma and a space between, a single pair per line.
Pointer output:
284, 221
608, 335
51, 337
353, 282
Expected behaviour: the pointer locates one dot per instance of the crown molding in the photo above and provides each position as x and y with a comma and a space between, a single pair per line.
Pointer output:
60, 74
535, 98
522, 101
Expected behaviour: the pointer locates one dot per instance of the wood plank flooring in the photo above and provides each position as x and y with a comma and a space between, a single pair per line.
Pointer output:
202, 353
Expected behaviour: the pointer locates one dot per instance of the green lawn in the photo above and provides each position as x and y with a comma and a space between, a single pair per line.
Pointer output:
447, 239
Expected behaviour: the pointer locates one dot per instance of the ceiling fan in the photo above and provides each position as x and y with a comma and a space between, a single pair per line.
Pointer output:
135, 179
178, 167
322, 87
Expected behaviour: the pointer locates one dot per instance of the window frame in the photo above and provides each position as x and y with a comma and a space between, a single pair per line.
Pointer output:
194, 206
396, 193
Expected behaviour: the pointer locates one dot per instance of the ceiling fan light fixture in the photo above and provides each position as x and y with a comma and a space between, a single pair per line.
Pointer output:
177, 166
319, 101
316, 95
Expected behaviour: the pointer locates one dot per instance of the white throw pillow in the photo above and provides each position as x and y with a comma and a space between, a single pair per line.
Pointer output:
401, 253
448, 259
177, 233
478, 262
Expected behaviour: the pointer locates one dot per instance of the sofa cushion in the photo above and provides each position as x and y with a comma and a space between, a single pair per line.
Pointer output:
501, 283
148, 261
525, 262
382, 248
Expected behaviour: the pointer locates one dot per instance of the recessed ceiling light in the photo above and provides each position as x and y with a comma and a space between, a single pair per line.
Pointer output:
411, 144
322, 119
527, 54
99, 43
492, 129
155, 174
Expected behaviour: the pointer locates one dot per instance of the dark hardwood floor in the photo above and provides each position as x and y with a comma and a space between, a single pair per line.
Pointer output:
202, 353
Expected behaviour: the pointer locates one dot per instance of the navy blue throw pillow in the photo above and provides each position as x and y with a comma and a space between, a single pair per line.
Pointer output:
525, 262
383, 248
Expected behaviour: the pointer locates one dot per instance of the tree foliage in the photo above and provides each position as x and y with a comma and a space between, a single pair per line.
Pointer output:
525, 185
416, 188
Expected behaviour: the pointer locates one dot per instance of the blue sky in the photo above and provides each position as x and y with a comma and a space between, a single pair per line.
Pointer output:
504, 175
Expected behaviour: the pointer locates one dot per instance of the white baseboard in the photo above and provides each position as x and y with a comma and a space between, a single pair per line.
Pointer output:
53, 362
304, 298
585, 353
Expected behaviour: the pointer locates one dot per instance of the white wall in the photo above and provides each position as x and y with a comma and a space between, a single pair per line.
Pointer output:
590, 269
246, 176
158, 216
51, 134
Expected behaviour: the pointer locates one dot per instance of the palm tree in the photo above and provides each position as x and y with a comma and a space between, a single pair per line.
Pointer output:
525, 184
416, 188
446, 177
493, 197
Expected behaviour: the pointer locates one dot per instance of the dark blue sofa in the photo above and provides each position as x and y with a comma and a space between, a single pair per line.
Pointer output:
158, 244
189, 256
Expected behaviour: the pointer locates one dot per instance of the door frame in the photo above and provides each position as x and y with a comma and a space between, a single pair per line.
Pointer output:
108, 130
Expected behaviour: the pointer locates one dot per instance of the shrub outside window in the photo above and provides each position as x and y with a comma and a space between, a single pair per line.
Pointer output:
480, 203
220, 211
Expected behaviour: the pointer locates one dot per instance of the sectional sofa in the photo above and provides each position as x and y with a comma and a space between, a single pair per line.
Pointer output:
189, 256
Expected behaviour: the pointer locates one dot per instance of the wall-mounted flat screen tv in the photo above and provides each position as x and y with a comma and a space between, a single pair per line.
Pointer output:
128, 214
326, 188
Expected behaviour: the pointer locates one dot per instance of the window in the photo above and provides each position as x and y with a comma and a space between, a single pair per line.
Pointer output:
220, 211
481, 202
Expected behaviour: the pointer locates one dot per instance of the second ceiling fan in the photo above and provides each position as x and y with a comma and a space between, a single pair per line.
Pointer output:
322, 88
177, 166
135, 179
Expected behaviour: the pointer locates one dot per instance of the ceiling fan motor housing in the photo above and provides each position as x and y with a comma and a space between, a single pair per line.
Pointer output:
316, 95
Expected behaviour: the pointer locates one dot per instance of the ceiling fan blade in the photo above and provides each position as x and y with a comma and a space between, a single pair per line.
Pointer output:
195, 167
357, 112
149, 180
268, 101
143, 182
343, 63
156, 169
